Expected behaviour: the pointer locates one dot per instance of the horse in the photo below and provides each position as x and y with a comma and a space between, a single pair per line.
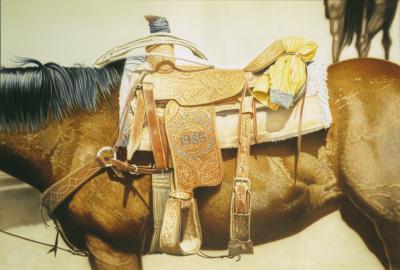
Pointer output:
54, 118
361, 18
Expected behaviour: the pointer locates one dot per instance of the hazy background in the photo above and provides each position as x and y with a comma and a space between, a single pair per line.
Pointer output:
231, 33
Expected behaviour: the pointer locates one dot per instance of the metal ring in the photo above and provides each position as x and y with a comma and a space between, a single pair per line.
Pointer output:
135, 167
105, 149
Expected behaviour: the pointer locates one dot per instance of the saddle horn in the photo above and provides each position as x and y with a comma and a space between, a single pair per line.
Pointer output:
163, 64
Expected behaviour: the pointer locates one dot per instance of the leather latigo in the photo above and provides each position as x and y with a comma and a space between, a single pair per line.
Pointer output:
157, 143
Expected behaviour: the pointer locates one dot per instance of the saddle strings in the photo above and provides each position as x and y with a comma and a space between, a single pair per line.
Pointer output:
54, 247
206, 256
299, 134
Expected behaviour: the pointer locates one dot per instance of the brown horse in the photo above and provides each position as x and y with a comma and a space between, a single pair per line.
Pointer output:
354, 165
363, 18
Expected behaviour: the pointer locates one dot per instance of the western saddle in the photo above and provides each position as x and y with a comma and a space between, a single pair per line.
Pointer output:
178, 103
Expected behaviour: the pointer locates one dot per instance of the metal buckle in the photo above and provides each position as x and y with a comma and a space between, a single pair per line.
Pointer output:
241, 180
135, 167
105, 153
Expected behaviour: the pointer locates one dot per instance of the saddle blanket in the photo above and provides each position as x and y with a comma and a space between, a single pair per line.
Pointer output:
271, 125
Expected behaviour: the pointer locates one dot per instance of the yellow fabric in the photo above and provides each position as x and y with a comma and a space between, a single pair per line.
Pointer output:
288, 74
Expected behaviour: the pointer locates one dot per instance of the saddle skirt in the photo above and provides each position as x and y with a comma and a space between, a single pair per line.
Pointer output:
272, 125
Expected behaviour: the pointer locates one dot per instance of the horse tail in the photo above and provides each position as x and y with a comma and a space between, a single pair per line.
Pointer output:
353, 14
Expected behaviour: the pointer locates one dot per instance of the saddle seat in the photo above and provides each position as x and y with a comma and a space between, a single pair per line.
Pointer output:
194, 86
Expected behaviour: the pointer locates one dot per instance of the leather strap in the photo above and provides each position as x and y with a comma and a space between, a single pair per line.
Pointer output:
60, 190
299, 136
157, 145
240, 242
164, 138
122, 138
137, 124
133, 169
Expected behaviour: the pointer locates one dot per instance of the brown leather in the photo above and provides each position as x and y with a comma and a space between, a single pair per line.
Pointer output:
62, 189
131, 168
164, 138
299, 137
240, 242
197, 86
162, 64
266, 57
197, 161
195, 151
181, 231
159, 151
137, 125
126, 109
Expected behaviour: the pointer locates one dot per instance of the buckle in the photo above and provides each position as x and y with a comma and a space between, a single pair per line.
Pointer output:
241, 180
133, 169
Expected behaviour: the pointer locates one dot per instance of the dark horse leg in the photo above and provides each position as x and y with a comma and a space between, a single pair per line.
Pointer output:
390, 12
381, 19
334, 11
386, 42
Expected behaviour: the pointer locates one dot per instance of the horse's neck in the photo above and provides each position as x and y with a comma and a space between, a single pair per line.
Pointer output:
43, 157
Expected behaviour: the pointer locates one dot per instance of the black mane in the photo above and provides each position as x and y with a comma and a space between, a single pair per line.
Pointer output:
32, 96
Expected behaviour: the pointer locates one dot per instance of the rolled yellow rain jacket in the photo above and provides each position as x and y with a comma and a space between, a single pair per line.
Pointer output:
281, 82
